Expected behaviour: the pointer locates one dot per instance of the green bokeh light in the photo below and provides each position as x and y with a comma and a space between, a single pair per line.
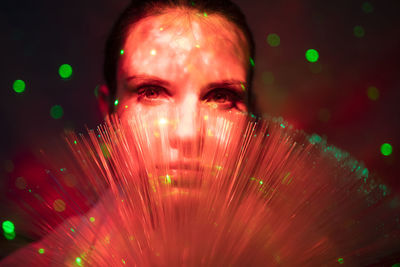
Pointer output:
10, 236
19, 86
386, 149
105, 149
359, 31
56, 112
116, 102
367, 7
78, 261
65, 71
8, 227
122, 52
312, 55
315, 139
168, 179
92, 219
252, 62
96, 91
373, 93
340, 260
273, 40
41, 250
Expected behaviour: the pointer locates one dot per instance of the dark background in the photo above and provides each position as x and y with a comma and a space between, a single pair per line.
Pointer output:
328, 97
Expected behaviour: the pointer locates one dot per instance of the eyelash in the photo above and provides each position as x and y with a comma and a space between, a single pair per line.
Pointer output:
230, 94
141, 91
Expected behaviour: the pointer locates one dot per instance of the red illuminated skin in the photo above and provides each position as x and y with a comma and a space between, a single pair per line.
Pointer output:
182, 60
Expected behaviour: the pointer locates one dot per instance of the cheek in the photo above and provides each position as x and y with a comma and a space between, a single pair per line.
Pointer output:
129, 108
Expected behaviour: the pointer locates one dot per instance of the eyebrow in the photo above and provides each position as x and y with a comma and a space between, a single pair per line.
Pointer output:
236, 85
226, 83
149, 79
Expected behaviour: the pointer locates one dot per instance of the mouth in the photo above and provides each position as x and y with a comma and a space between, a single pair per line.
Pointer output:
188, 165
181, 174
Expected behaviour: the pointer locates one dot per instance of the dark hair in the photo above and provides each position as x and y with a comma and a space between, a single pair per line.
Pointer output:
139, 9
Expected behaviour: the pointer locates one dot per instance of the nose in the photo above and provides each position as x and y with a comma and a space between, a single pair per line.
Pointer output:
184, 137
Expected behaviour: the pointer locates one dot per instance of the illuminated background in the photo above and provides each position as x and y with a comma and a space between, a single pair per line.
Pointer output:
350, 94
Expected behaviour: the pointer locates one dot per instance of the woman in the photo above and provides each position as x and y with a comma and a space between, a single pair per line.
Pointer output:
171, 57
178, 57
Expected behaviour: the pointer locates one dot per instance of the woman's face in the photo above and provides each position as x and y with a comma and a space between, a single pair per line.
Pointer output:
182, 61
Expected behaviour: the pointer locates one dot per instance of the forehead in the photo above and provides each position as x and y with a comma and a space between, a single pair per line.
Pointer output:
185, 41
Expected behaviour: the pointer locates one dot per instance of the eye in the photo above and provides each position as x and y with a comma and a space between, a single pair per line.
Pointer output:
219, 97
151, 92
223, 97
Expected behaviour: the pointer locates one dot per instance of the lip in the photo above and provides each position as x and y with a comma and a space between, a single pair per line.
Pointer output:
183, 173
184, 164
